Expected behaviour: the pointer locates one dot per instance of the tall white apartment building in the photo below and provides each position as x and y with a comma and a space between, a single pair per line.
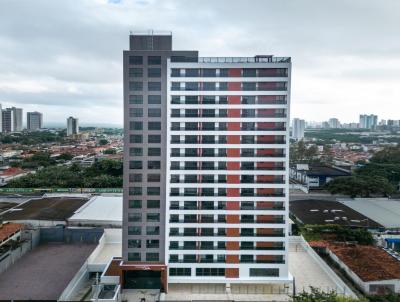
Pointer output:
72, 126
18, 126
368, 121
298, 126
206, 167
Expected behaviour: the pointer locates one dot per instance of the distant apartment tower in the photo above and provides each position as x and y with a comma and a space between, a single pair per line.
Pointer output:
334, 123
17, 119
368, 121
8, 120
72, 126
34, 121
1, 119
298, 126
205, 167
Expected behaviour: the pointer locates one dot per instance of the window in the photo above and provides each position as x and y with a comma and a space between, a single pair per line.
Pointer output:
152, 230
136, 138
191, 86
152, 257
154, 126
154, 138
135, 204
209, 72
135, 191
134, 230
191, 72
154, 72
134, 243
249, 72
210, 272
135, 217
135, 164
153, 217
135, 177
135, 60
175, 72
154, 112
154, 99
181, 271
153, 177
153, 204
153, 164
154, 60
134, 257
264, 272
154, 86
136, 72
135, 151
154, 151
136, 112
152, 244
136, 99
153, 190
135, 86
135, 125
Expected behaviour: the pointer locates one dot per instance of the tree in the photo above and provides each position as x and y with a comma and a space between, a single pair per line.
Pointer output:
110, 151
316, 295
103, 142
362, 186
299, 153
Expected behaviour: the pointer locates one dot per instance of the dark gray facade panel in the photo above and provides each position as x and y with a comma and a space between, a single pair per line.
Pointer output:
140, 47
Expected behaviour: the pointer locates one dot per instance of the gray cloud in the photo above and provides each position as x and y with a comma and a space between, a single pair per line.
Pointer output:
64, 57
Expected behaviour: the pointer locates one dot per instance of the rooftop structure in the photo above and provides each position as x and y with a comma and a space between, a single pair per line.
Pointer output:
382, 210
55, 209
99, 211
372, 268
8, 230
312, 211
44, 272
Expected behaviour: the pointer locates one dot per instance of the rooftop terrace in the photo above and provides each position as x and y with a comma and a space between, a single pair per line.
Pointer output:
44, 272
255, 59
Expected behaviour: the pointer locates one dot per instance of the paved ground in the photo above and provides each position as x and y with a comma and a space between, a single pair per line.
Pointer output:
307, 272
44, 272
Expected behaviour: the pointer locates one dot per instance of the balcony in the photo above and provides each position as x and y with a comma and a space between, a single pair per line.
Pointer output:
265, 248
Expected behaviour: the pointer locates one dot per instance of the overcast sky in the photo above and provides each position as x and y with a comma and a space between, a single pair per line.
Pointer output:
65, 57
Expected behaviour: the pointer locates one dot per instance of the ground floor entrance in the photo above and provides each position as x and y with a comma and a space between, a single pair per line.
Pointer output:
142, 279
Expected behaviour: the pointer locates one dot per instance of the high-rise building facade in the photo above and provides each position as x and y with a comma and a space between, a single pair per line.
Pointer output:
72, 126
368, 121
8, 120
34, 121
1, 119
298, 126
334, 123
205, 167
18, 126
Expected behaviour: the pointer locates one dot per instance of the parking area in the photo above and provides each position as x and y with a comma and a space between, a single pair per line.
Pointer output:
44, 272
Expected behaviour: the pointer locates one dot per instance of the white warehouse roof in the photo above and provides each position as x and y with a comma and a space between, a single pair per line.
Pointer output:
382, 210
99, 211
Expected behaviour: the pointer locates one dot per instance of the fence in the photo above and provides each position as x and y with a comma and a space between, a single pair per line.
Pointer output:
61, 190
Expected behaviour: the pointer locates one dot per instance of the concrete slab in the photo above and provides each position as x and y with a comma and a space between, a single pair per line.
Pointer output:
44, 272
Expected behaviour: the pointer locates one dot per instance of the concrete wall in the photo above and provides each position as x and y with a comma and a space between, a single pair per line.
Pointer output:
70, 235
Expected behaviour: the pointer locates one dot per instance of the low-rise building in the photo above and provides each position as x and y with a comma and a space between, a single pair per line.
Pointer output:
315, 177
372, 269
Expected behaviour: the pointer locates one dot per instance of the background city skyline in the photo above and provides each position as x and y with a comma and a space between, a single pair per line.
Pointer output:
345, 60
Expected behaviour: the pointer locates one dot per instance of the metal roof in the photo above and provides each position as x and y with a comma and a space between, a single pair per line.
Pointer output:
382, 210
100, 210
